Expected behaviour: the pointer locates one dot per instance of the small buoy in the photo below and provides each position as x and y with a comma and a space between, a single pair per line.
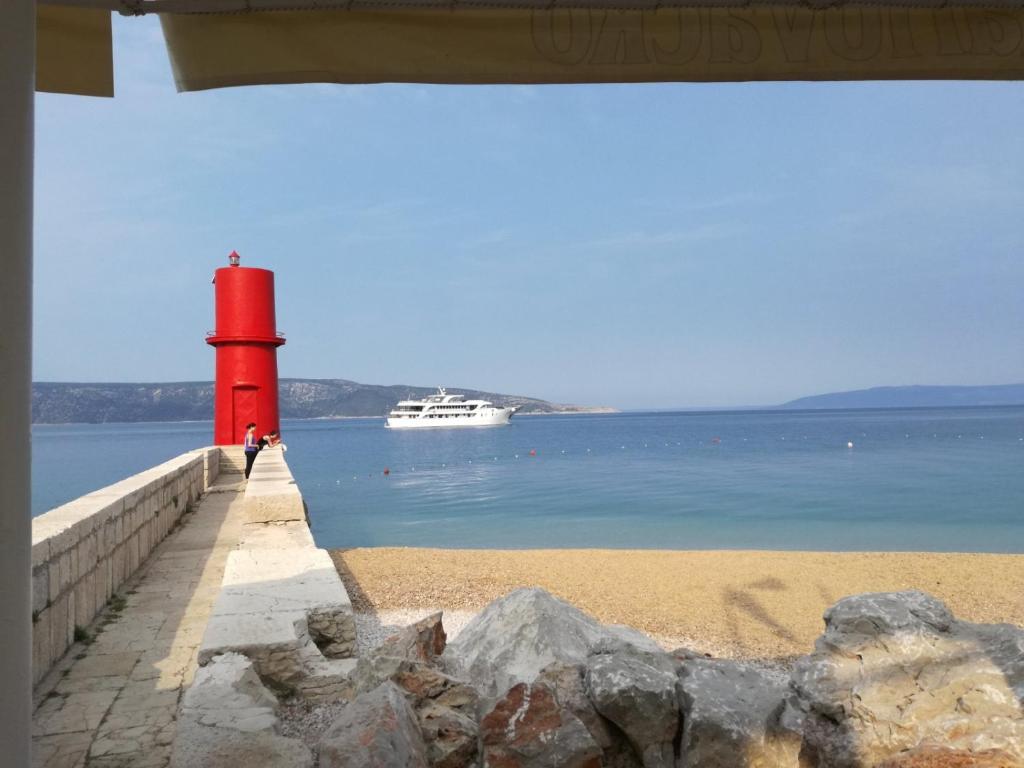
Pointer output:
386, 471
470, 461
517, 455
588, 450
563, 451
716, 440
533, 452
850, 444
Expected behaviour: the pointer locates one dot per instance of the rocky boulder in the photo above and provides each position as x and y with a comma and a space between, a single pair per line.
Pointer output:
637, 692
733, 716
896, 671
451, 736
377, 729
423, 641
517, 635
419, 681
228, 718
528, 729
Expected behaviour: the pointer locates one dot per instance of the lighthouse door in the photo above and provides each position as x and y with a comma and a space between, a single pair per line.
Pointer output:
244, 409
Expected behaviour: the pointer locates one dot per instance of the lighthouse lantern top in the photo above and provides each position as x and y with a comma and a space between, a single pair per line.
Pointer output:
234, 259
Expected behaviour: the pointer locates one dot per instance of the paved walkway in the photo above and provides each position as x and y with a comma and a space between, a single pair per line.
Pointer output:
113, 703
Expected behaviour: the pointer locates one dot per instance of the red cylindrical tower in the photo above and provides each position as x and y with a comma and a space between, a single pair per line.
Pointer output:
246, 340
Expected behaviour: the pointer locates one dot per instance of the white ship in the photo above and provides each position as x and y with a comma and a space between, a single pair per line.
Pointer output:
444, 410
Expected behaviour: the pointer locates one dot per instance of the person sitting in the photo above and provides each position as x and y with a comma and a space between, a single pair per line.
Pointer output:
272, 440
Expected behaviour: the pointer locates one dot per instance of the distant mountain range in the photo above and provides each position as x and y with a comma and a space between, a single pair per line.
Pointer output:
67, 403
914, 397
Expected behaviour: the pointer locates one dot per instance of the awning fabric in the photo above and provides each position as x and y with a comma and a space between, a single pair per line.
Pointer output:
74, 53
526, 41
590, 45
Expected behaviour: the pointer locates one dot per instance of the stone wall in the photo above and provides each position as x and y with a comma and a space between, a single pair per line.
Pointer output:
83, 551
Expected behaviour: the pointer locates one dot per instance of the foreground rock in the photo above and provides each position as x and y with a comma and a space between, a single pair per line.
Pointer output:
528, 729
637, 692
423, 641
228, 719
445, 707
733, 715
451, 736
895, 671
376, 729
518, 635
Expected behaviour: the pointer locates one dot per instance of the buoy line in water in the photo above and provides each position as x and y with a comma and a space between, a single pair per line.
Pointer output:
540, 454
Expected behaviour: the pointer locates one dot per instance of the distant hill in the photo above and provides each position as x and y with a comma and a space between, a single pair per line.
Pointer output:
68, 403
914, 397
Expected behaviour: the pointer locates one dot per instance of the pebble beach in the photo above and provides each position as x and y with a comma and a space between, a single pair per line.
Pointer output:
753, 605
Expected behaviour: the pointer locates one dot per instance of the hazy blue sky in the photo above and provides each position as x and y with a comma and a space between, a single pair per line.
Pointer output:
636, 246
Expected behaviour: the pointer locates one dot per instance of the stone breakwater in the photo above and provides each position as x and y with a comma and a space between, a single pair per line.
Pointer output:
281, 624
895, 681
83, 551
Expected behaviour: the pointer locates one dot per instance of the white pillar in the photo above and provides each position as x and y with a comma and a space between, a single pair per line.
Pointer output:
17, 85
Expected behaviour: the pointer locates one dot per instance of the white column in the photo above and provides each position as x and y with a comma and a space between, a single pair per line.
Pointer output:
17, 85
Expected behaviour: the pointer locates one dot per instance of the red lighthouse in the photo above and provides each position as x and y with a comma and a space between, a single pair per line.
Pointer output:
246, 341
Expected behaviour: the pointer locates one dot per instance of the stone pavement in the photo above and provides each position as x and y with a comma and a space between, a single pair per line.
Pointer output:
112, 702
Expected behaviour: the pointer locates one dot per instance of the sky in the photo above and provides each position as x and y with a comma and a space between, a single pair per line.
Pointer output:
635, 246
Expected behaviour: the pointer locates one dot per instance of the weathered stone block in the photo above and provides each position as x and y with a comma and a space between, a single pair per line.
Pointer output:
42, 645
84, 601
40, 588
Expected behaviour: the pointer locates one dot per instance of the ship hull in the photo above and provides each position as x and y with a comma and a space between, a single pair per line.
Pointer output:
499, 418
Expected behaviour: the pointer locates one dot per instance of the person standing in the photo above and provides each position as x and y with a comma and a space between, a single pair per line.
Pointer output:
252, 447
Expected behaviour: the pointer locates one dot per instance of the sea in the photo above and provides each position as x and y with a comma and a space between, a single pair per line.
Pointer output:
928, 479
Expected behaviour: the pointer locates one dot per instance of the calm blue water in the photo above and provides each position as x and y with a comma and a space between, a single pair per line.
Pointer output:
935, 479
70, 460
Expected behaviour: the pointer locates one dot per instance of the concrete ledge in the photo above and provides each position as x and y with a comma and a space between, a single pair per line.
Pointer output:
282, 604
271, 494
83, 551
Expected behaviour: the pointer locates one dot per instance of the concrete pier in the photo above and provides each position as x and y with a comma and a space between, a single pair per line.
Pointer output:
238, 573
113, 699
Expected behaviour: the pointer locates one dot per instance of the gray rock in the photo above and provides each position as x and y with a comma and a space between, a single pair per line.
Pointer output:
418, 680
895, 671
228, 693
733, 716
451, 736
640, 699
528, 729
423, 641
376, 729
228, 718
566, 682
518, 635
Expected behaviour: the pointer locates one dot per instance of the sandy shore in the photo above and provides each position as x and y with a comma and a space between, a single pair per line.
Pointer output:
764, 605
